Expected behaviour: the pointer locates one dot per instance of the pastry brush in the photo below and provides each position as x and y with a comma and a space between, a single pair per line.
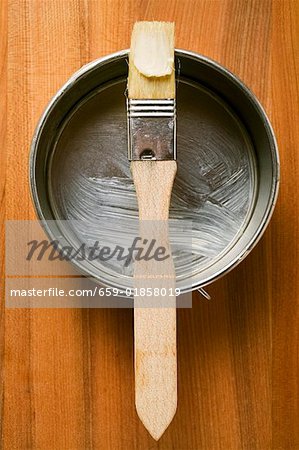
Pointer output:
152, 152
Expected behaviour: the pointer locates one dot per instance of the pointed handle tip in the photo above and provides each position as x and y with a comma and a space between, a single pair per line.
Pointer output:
155, 422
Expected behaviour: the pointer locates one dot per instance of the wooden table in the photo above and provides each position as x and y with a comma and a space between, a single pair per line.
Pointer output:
67, 375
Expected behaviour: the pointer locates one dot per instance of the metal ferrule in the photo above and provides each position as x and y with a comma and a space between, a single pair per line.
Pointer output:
151, 129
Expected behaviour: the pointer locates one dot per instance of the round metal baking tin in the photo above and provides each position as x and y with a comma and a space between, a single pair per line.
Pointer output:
218, 114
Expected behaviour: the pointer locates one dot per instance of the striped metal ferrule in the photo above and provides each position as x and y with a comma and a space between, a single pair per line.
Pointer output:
151, 129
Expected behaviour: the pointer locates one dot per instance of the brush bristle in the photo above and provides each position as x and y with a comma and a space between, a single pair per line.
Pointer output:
151, 61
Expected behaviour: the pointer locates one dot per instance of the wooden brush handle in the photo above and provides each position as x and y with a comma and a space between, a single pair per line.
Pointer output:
155, 327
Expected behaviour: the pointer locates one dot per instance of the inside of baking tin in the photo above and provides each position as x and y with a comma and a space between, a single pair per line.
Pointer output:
90, 185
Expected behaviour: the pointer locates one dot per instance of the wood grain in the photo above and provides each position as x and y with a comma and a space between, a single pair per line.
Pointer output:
67, 375
3, 107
